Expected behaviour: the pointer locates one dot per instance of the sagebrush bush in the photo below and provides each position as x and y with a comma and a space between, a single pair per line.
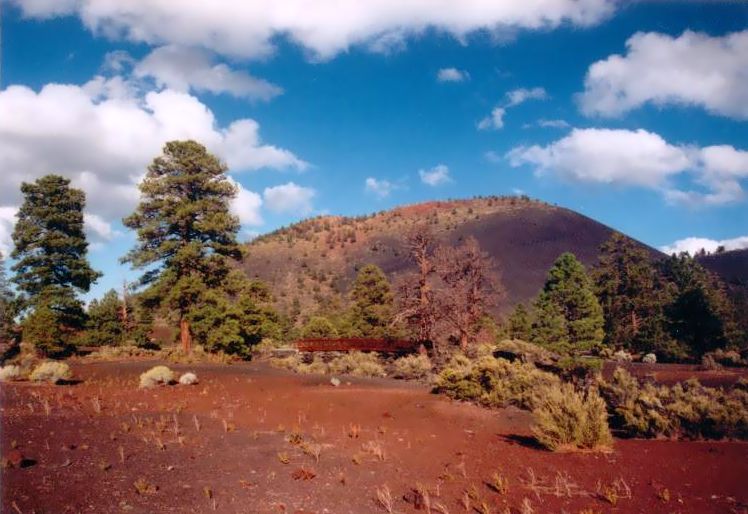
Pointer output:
51, 371
526, 352
188, 378
10, 372
494, 382
157, 375
121, 352
649, 358
358, 364
565, 419
688, 409
412, 367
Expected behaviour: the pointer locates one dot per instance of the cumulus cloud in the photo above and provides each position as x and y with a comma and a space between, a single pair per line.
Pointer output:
379, 187
185, 69
543, 123
246, 205
694, 245
514, 98
248, 29
692, 69
436, 176
103, 134
451, 75
289, 199
7, 222
640, 158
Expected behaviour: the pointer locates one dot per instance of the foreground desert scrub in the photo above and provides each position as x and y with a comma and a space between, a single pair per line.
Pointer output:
358, 364
412, 367
171, 354
156, 376
687, 410
10, 372
51, 371
567, 419
494, 382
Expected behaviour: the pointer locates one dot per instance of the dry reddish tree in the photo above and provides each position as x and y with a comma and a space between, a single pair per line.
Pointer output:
452, 286
416, 294
470, 287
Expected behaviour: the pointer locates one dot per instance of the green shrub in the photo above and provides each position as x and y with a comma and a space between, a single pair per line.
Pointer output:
158, 375
494, 382
358, 364
526, 352
565, 419
51, 371
684, 410
412, 367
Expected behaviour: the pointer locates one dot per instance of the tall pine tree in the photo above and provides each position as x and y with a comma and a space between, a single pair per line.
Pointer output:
51, 266
632, 294
568, 316
371, 312
186, 234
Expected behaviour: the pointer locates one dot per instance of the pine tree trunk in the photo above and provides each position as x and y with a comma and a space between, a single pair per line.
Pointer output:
184, 333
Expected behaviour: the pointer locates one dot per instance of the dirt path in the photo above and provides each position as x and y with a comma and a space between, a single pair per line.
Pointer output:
222, 446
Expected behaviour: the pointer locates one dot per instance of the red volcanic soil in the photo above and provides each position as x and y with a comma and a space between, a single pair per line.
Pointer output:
369, 433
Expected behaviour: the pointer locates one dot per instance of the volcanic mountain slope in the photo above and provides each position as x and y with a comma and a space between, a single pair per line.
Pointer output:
731, 266
311, 262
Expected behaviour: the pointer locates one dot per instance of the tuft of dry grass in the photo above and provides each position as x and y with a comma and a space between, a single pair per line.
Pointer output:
499, 483
384, 499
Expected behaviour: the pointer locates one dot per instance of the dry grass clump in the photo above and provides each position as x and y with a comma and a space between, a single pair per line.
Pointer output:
687, 409
106, 353
52, 372
198, 354
10, 372
494, 382
157, 375
359, 364
565, 419
188, 378
412, 367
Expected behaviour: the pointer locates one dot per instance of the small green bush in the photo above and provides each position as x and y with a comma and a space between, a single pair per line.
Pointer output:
412, 367
637, 410
565, 419
494, 382
51, 371
158, 375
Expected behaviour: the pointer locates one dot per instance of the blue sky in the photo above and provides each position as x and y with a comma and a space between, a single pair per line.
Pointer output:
634, 115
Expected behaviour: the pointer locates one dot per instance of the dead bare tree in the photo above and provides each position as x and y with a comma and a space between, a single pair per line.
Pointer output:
470, 287
416, 294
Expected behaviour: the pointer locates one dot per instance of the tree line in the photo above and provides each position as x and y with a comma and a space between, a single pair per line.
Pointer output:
188, 253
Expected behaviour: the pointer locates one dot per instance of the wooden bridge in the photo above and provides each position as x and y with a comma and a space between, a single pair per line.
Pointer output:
362, 344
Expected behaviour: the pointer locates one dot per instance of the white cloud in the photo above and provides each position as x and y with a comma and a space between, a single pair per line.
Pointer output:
493, 157
379, 187
185, 69
436, 176
494, 121
521, 95
248, 29
692, 69
7, 222
451, 75
693, 245
559, 124
513, 98
289, 198
104, 133
98, 227
246, 205
640, 158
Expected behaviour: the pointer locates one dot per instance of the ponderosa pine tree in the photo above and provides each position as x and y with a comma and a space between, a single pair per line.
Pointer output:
632, 294
519, 324
372, 303
319, 327
51, 266
568, 292
105, 326
7, 305
186, 233
701, 316
416, 302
